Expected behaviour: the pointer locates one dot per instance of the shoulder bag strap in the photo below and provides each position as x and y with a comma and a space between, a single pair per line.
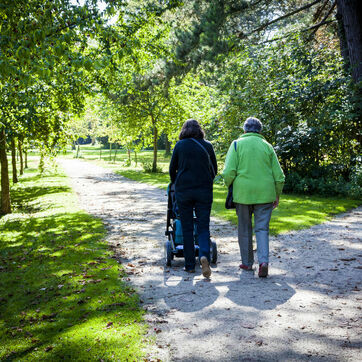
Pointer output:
208, 156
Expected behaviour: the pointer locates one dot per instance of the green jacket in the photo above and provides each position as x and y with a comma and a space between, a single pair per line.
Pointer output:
254, 170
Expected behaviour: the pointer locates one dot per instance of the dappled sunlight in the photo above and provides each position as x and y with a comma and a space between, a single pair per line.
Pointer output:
60, 286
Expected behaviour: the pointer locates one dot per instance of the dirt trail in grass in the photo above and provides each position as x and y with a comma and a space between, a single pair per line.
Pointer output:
307, 310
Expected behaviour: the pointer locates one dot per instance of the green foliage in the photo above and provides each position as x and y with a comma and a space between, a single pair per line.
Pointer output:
62, 294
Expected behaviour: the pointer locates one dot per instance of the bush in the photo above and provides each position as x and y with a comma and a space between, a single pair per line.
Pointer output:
148, 165
354, 187
325, 185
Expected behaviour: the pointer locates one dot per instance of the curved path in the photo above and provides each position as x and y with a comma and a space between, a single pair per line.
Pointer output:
307, 310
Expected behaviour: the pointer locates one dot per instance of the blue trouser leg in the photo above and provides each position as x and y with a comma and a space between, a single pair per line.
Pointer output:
202, 210
185, 206
262, 215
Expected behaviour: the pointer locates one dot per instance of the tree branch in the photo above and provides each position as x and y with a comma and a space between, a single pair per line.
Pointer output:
323, 20
299, 31
265, 25
320, 10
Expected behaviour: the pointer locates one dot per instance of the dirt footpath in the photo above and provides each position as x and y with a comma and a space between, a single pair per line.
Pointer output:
309, 308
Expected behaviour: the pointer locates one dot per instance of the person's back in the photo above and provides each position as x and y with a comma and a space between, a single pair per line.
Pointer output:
193, 168
254, 176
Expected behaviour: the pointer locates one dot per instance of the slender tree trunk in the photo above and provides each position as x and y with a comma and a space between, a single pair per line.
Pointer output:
26, 158
5, 186
100, 151
20, 149
110, 151
155, 137
135, 157
167, 147
41, 162
93, 141
129, 154
115, 154
13, 161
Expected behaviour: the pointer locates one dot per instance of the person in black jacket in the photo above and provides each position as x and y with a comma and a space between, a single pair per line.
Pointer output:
192, 169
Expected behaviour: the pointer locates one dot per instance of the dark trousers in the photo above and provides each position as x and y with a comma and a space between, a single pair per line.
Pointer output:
201, 201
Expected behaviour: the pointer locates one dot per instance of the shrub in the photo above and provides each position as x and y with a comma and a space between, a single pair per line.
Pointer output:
147, 167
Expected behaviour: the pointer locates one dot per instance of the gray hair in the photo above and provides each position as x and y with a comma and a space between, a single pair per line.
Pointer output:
252, 124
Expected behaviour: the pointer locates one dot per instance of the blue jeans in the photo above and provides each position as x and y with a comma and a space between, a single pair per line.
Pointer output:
262, 215
201, 201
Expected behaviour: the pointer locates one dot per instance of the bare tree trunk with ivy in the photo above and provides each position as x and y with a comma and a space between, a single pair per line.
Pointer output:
13, 160
5, 185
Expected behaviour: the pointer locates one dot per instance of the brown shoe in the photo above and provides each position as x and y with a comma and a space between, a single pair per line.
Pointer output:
246, 267
263, 270
205, 266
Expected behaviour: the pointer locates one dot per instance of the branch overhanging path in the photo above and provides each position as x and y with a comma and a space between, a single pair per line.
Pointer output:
308, 309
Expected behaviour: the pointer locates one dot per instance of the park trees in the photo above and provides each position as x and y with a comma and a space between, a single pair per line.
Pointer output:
42, 62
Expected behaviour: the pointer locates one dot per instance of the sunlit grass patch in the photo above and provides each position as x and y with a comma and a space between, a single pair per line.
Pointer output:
63, 296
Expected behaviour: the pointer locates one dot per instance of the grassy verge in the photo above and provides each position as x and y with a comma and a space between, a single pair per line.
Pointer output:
294, 212
62, 295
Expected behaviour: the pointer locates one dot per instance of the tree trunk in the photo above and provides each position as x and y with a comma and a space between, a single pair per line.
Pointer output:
167, 147
13, 161
20, 149
78, 150
93, 141
5, 186
115, 154
41, 162
110, 151
129, 155
155, 137
350, 13
26, 158
349, 16
135, 157
100, 152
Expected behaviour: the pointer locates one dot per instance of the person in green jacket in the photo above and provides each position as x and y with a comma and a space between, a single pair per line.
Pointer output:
253, 169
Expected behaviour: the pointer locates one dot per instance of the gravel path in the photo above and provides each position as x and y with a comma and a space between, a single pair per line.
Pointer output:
307, 310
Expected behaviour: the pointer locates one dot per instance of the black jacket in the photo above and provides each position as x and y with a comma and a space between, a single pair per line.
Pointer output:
190, 167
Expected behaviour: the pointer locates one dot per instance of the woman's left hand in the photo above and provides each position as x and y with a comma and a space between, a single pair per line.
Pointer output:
276, 203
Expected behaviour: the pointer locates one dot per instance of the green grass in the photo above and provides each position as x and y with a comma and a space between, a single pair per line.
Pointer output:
63, 296
294, 212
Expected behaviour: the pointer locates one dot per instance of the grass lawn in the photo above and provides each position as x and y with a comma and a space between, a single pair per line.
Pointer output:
294, 212
63, 296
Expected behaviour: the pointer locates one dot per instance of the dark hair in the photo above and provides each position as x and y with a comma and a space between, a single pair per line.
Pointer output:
191, 129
